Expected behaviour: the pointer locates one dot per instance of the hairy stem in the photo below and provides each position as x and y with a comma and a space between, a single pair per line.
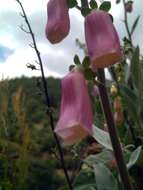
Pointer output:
46, 95
112, 132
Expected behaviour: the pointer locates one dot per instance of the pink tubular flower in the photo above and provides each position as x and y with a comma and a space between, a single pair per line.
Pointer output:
76, 117
58, 24
102, 40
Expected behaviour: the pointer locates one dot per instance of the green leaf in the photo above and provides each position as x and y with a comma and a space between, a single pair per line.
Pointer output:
85, 11
86, 62
71, 67
71, 3
136, 69
140, 159
77, 60
128, 93
105, 180
89, 74
104, 157
93, 4
134, 157
105, 6
131, 103
85, 181
135, 24
102, 137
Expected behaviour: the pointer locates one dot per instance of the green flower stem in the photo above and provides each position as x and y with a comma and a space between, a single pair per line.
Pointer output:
113, 132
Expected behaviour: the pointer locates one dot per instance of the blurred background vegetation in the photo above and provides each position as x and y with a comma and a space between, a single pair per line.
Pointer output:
27, 159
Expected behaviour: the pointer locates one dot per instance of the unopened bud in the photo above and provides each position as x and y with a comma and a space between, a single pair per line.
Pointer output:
113, 90
118, 117
129, 6
117, 104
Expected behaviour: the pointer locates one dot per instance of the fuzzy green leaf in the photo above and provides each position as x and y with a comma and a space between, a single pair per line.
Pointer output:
93, 4
105, 6
134, 157
135, 25
105, 180
102, 137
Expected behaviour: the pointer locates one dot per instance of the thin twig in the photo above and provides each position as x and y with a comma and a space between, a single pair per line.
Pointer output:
113, 133
24, 30
46, 96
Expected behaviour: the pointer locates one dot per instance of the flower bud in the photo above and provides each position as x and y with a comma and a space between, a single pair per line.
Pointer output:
95, 91
118, 104
58, 23
102, 40
118, 117
113, 90
76, 116
129, 6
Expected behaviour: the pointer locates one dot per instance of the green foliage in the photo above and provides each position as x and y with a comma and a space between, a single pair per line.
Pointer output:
85, 11
93, 4
104, 157
135, 24
76, 60
105, 6
104, 176
134, 157
23, 122
85, 180
102, 137
71, 3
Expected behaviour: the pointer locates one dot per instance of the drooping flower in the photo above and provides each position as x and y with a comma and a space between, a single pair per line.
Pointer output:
129, 6
76, 116
58, 23
102, 40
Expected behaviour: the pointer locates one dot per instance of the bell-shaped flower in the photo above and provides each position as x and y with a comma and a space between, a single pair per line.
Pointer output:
58, 23
75, 121
102, 40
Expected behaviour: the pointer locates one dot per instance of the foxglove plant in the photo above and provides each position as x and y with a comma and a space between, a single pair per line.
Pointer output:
102, 40
76, 116
58, 23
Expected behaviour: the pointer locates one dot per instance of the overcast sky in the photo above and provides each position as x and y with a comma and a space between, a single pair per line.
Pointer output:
15, 51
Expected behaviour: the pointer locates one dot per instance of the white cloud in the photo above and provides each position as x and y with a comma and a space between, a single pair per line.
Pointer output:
56, 58
15, 65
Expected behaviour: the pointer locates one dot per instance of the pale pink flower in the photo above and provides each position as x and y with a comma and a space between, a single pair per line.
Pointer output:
58, 23
76, 116
102, 40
